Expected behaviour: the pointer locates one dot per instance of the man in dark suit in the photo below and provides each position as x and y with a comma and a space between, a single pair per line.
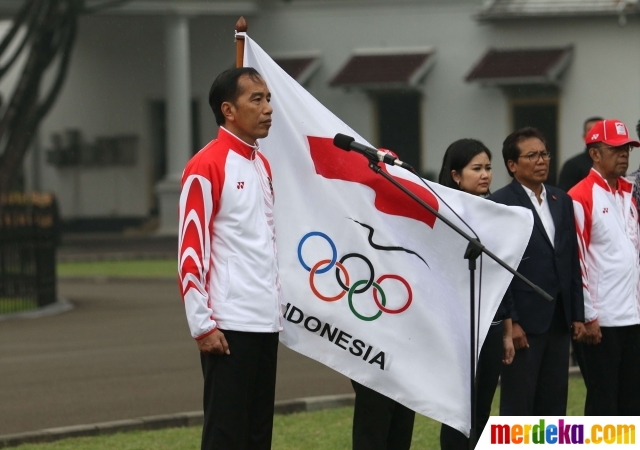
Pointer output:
536, 383
576, 168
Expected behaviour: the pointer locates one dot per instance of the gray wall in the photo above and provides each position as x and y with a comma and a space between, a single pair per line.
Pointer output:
118, 67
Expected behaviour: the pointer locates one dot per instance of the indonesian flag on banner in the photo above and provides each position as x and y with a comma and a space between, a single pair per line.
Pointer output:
373, 286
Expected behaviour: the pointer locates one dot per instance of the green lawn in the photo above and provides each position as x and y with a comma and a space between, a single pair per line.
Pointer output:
321, 430
152, 268
14, 305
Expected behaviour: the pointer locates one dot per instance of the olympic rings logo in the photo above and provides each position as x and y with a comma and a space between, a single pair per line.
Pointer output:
359, 287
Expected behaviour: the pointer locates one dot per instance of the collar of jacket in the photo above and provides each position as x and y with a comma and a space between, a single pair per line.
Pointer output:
623, 185
236, 144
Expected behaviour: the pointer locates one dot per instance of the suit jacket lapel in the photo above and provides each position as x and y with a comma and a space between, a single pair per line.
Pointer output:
526, 202
556, 212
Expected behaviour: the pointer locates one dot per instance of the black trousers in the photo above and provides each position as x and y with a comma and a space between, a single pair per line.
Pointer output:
380, 423
487, 374
613, 385
239, 393
578, 353
537, 381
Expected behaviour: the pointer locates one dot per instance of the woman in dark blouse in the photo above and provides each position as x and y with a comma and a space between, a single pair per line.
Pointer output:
467, 167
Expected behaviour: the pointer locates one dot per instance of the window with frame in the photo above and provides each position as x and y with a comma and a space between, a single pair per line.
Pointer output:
540, 113
398, 124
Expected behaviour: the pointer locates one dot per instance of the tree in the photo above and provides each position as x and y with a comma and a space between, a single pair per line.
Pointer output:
43, 33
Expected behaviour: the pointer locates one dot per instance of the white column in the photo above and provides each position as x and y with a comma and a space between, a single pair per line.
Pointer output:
178, 119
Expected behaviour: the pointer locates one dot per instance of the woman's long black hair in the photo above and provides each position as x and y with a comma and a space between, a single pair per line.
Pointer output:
457, 156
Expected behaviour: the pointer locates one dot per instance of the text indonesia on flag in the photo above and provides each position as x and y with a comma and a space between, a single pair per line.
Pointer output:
373, 286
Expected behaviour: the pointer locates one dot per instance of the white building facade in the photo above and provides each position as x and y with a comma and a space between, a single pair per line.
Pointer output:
123, 83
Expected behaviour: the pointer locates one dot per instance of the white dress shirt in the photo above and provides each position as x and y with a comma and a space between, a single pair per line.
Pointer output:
542, 208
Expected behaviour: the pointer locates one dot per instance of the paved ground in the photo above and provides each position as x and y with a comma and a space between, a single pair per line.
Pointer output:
123, 352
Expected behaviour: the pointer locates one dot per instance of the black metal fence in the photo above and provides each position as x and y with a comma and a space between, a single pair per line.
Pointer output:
28, 240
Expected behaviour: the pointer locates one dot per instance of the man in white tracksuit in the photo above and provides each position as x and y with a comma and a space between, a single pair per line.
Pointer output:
228, 266
609, 245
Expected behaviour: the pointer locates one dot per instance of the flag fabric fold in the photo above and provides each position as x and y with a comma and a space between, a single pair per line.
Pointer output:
374, 286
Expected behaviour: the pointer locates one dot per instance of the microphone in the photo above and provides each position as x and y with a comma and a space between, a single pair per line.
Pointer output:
348, 143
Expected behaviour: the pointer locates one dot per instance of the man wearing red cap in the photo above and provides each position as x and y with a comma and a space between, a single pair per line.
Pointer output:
609, 244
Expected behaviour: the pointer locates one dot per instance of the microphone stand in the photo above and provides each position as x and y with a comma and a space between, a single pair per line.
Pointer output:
473, 251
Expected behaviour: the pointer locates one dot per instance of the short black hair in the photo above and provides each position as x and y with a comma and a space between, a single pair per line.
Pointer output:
457, 156
596, 145
591, 119
225, 89
510, 149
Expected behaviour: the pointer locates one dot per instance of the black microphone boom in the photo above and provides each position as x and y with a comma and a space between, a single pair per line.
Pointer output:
348, 143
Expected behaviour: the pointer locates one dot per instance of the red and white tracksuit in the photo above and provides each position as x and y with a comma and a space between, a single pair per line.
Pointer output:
228, 269
609, 245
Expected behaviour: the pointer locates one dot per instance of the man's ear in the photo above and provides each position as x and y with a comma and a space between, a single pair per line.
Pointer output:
595, 154
512, 166
228, 111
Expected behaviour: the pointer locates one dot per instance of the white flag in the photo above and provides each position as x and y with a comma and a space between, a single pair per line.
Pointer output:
373, 286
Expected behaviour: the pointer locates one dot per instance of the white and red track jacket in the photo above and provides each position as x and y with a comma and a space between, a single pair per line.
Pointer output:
608, 244
227, 262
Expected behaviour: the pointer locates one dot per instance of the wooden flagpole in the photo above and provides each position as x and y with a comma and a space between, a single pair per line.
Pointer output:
241, 27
